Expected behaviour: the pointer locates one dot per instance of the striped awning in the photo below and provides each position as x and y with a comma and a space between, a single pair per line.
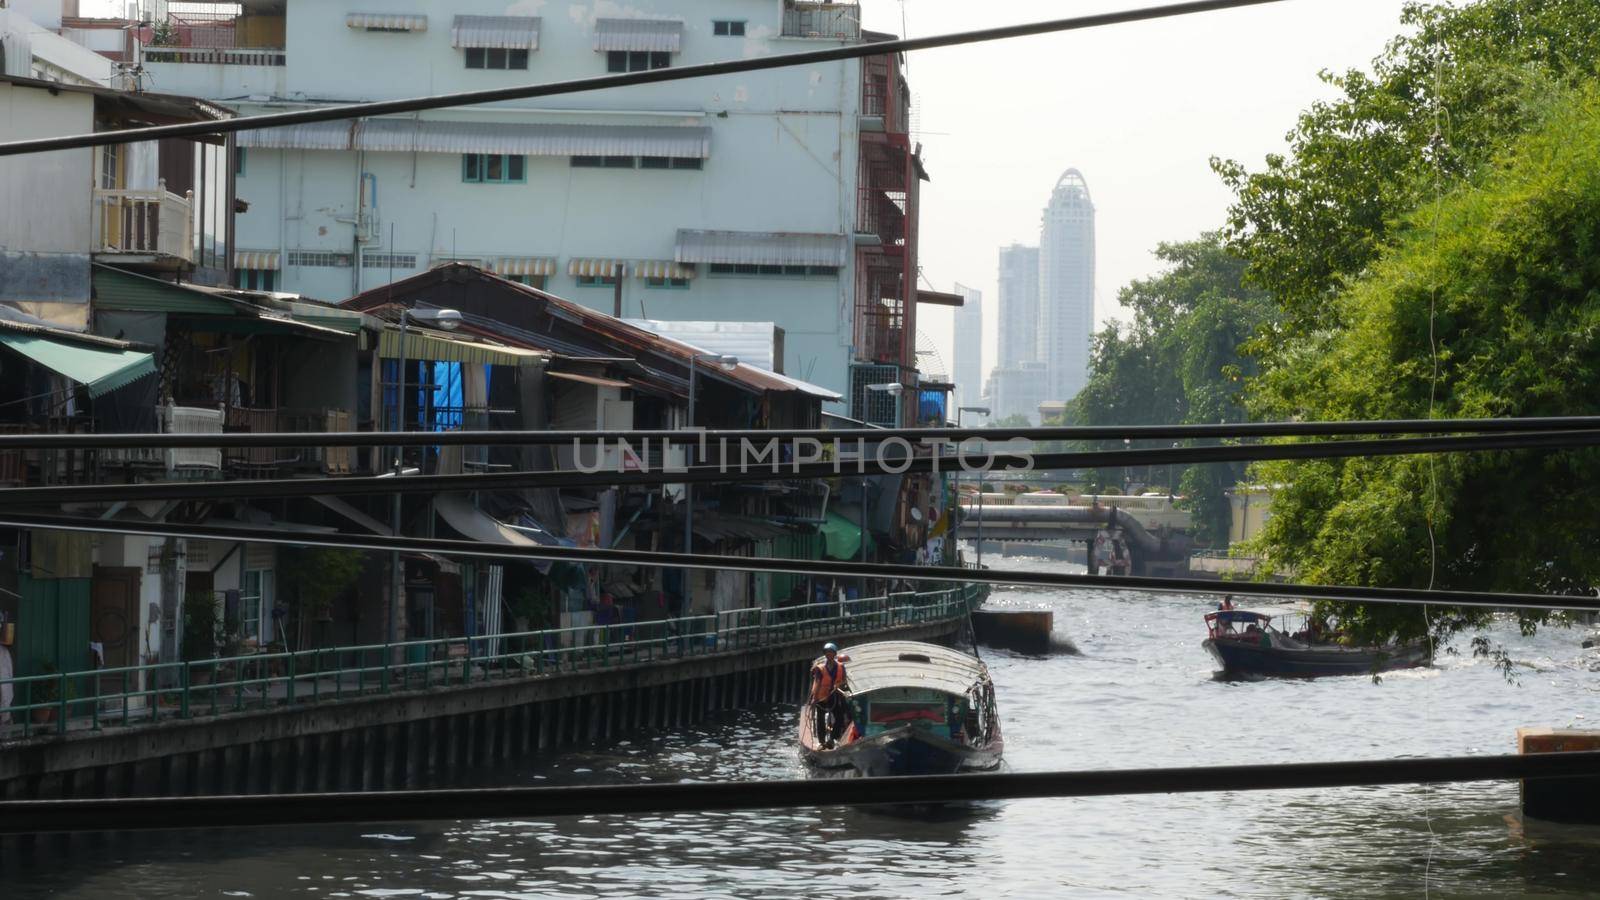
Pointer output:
596, 268
766, 248
315, 136
422, 344
495, 32
662, 268
525, 265
386, 22
265, 260
411, 136
661, 35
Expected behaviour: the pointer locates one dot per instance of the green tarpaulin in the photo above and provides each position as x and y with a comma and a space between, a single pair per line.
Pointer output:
100, 370
843, 538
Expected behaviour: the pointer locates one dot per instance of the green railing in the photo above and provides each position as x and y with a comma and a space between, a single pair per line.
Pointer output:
150, 694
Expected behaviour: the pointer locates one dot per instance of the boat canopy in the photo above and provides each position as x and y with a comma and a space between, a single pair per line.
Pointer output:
1263, 614
887, 664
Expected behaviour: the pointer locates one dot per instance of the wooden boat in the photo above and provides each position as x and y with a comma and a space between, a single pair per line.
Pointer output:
1264, 642
913, 709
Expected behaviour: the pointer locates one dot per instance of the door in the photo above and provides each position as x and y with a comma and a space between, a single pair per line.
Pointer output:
114, 622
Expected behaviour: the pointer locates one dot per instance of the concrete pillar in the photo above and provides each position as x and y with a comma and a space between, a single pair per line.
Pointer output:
546, 726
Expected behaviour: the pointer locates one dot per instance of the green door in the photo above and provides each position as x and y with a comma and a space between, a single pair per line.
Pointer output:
52, 624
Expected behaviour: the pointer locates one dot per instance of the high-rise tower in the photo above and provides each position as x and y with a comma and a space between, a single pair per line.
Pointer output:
968, 374
1019, 305
1066, 287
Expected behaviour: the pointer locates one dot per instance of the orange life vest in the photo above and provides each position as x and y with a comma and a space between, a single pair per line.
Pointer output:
823, 684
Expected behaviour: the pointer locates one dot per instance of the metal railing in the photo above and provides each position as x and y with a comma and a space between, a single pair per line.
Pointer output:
147, 695
145, 221
828, 21
218, 56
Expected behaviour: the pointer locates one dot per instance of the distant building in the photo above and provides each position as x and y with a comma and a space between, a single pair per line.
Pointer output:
1053, 412
968, 374
1018, 390
1066, 286
1019, 305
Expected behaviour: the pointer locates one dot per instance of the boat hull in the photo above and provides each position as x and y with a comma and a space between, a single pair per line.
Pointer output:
907, 751
1238, 658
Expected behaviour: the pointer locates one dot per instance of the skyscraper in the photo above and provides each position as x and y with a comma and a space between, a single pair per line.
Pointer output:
1066, 287
968, 374
1019, 306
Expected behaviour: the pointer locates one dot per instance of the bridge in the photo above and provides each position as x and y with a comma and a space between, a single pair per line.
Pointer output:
1150, 547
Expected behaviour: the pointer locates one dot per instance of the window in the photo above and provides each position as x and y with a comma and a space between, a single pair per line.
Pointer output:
637, 60
319, 259
755, 271
111, 167
597, 280
604, 162
388, 261
667, 283
238, 162
255, 279
496, 58
727, 28
493, 168
670, 162
255, 604
533, 281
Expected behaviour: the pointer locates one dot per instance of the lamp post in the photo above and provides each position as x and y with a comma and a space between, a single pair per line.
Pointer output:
727, 364
448, 320
985, 412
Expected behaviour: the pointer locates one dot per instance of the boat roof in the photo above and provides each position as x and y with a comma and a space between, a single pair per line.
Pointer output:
1262, 613
886, 664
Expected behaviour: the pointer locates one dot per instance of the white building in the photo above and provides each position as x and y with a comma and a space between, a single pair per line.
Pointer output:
787, 196
968, 365
1019, 305
1066, 287
1017, 390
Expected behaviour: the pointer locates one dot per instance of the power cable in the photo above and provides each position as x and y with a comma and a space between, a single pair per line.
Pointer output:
886, 571
627, 79
537, 803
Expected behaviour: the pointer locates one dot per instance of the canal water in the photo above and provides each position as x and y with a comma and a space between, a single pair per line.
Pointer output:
1131, 687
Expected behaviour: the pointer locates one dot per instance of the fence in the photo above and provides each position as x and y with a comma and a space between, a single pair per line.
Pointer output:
132, 695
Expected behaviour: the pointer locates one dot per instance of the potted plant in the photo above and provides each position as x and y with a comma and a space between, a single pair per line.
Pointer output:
200, 634
45, 692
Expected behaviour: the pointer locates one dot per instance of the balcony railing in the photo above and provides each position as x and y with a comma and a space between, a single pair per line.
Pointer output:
823, 21
271, 461
218, 56
32, 467
176, 420
145, 221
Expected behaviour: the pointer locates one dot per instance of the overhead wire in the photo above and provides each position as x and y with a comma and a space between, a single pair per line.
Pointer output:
623, 79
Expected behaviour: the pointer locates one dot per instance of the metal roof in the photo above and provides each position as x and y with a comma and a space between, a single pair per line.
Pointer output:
769, 248
872, 667
660, 35
525, 139
495, 32
753, 342
314, 136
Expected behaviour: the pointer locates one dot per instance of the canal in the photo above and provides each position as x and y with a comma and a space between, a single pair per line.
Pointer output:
1137, 691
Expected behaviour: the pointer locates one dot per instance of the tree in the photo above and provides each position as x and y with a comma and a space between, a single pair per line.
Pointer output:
1016, 420
1501, 276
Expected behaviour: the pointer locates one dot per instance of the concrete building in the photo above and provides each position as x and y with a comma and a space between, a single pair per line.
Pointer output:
787, 196
1019, 305
1017, 390
1066, 286
968, 366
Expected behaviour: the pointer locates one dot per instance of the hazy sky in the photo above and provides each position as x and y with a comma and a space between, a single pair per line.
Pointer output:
1138, 108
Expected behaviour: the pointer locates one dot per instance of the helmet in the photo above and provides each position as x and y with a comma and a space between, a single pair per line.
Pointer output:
830, 646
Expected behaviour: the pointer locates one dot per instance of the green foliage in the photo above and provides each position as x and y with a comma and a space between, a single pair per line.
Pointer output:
311, 579
1017, 420
1503, 275
202, 628
1439, 102
1179, 363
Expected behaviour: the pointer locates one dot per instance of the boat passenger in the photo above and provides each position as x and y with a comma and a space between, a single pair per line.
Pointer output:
826, 679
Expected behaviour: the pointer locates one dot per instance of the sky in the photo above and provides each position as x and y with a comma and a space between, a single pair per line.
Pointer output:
1138, 108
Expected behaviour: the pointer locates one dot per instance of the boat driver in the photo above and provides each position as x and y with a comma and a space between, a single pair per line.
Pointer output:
827, 677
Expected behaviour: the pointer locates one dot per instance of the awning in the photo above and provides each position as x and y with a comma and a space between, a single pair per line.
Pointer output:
495, 32
715, 527
660, 35
595, 380
596, 268
525, 265
768, 248
100, 370
657, 268
422, 344
535, 139
313, 136
477, 525
386, 22
842, 538
266, 260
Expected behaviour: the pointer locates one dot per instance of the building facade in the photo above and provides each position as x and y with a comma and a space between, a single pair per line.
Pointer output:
968, 366
787, 196
1017, 390
1019, 305
1066, 287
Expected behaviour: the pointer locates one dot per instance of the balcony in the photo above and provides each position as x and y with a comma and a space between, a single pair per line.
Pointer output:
19, 468
218, 56
145, 223
822, 21
188, 461
271, 462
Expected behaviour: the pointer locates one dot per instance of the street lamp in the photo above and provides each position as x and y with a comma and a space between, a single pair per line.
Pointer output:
893, 389
980, 410
447, 320
727, 364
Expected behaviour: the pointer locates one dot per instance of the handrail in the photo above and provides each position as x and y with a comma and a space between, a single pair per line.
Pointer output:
146, 695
